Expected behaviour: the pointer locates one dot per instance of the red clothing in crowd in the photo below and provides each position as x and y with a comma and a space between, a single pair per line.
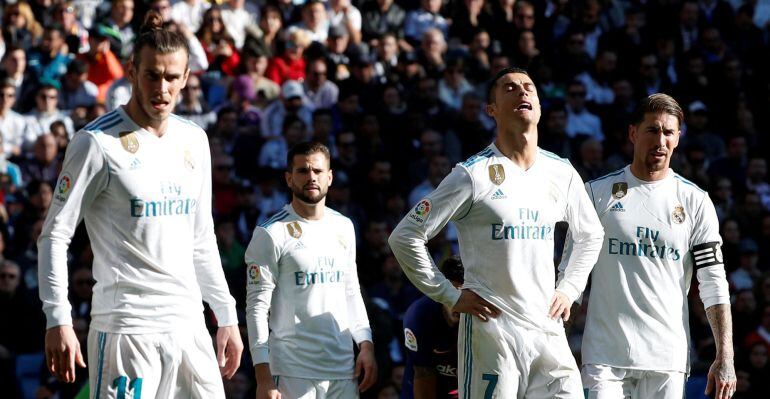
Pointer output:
103, 69
283, 68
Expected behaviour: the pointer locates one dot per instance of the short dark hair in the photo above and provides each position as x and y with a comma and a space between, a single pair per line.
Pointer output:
453, 269
657, 103
306, 148
493, 82
152, 35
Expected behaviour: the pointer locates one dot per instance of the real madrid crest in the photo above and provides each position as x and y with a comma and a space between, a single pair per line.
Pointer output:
129, 141
619, 189
294, 229
188, 160
496, 174
678, 215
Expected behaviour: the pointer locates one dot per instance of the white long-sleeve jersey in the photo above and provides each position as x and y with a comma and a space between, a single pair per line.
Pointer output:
146, 202
656, 233
304, 306
505, 219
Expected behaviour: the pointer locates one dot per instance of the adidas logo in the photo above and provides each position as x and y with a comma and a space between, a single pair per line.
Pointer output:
499, 194
618, 207
135, 164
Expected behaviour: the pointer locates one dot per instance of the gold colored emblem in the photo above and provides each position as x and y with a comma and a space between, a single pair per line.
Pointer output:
678, 214
619, 190
496, 174
129, 141
294, 229
188, 160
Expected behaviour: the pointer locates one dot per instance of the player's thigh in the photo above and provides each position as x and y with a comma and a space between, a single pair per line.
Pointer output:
661, 385
488, 364
605, 382
198, 374
123, 366
341, 389
296, 388
554, 372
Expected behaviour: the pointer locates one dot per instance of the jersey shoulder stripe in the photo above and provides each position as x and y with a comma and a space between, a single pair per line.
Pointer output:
608, 175
487, 153
110, 125
689, 183
276, 218
553, 156
104, 119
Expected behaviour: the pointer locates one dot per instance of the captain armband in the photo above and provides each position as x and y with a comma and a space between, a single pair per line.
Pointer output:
707, 254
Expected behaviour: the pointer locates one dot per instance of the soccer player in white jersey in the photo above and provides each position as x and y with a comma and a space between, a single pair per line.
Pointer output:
505, 202
304, 306
659, 229
141, 179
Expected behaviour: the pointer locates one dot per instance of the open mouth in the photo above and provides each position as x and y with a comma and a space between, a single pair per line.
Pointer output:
159, 104
525, 106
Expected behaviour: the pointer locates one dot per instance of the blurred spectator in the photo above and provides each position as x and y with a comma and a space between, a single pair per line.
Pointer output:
48, 61
104, 68
81, 291
580, 121
322, 129
46, 112
315, 22
121, 15
337, 44
45, 164
291, 103
321, 92
20, 28
12, 125
762, 333
342, 13
598, 81
554, 136
733, 164
591, 164
197, 57
743, 278
270, 24
193, 105
373, 252
219, 46
223, 185
453, 85
756, 179
699, 134
393, 293
189, 13
75, 34
290, 65
25, 333
77, 90
13, 66
427, 17
117, 94
273, 153
467, 18
255, 66
438, 169
387, 56
238, 15
432, 49
380, 17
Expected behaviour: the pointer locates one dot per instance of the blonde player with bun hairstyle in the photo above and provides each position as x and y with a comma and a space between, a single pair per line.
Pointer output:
140, 177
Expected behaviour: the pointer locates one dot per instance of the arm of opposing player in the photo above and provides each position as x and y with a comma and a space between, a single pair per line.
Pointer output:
208, 264
419, 353
450, 201
84, 175
586, 234
262, 274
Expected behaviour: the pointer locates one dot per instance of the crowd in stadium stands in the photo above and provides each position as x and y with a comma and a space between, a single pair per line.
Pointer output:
396, 89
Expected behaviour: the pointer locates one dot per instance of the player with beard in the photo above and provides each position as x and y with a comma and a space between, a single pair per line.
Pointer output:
140, 177
660, 230
304, 306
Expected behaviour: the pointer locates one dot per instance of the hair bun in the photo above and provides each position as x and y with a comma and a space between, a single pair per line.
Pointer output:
152, 21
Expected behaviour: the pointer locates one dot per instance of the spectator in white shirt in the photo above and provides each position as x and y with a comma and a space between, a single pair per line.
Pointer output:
314, 20
237, 15
12, 124
45, 113
579, 120
189, 13
342, 13
419, 21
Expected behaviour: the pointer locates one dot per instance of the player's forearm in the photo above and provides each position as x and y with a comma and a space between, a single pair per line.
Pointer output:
583, 256
424, 383
721, 322
262, 374
412, 255
53, 279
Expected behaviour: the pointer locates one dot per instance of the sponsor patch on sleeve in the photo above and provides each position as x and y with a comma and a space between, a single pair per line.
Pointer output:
253, 274
63, 187
410, 341
420, 212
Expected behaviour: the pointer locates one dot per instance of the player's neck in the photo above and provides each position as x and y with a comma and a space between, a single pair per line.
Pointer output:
308, 211
519, 147
642, 172
137, 114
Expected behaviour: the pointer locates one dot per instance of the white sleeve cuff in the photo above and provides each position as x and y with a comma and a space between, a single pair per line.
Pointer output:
226, 316
58, 316
259, 354
364, 334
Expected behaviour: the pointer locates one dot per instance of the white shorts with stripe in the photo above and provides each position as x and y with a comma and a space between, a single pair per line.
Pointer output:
303, 388
497, 359
180, 364
606, 382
